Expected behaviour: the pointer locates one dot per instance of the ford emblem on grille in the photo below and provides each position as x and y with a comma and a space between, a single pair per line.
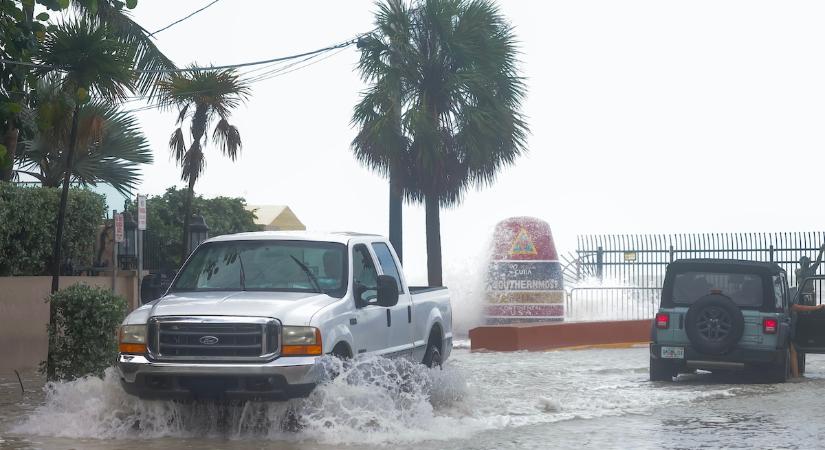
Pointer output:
208, 340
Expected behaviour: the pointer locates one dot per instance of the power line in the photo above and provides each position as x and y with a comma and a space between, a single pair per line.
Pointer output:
181, 20
208, 68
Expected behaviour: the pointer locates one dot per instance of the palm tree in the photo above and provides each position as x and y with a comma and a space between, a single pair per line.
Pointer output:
111, 142
380, 143
201, 96
460, 100
93, 63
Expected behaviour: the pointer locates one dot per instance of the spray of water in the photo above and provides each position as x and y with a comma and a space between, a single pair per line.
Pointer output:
466, 278
370, 400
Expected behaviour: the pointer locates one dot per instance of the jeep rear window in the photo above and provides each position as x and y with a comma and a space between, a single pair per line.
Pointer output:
743, 289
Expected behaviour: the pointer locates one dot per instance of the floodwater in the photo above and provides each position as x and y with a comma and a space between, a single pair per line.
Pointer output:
562, 399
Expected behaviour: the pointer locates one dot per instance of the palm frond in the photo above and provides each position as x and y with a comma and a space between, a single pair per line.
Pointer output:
177, 144
147, 58
91, 58
228, 138
111, 146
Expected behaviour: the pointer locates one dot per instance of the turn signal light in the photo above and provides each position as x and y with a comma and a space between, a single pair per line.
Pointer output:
770, 325
301, 341
132, 348
662, 321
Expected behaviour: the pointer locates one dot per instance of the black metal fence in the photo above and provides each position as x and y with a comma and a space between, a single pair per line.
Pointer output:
620, 276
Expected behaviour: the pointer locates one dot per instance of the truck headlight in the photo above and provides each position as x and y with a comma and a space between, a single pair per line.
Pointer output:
301, 341
132, 339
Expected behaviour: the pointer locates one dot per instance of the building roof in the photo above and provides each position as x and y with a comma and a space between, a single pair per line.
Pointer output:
276, 217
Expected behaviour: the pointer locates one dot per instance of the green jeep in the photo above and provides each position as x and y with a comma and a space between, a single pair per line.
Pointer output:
726, 315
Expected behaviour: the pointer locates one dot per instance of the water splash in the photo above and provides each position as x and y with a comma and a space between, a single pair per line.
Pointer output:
372, 400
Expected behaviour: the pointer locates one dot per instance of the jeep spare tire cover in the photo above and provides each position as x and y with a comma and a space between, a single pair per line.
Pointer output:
714, 324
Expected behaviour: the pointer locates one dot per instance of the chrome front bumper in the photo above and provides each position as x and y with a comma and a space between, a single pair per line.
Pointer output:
281, 378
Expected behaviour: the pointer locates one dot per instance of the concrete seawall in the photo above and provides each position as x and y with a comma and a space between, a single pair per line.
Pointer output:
549, 336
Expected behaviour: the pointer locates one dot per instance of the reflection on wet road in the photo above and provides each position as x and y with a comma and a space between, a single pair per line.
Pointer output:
588, 398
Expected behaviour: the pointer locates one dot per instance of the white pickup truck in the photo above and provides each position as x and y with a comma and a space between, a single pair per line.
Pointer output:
249, 316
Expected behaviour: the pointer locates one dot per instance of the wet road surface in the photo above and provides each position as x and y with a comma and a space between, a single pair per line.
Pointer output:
585, 398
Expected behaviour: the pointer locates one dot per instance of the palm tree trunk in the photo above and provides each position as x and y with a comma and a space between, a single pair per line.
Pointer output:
433, 226
10, 141
396, 214
58, 241
187, 215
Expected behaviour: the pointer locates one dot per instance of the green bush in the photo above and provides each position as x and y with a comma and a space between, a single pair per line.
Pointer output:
83, 337
28, 218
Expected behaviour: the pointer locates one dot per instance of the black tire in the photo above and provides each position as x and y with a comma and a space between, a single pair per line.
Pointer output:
780, 372
432, 357
714, 324
661, 370
800, 362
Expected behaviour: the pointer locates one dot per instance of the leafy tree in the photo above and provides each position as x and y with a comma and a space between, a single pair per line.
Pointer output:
165, 213
20, 35
202, 96
110, 141
460, 96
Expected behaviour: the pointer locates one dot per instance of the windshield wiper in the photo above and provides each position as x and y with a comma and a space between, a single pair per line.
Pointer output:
310, 275
243, 273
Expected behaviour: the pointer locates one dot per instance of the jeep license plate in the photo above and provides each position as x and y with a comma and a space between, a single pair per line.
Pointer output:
673, 352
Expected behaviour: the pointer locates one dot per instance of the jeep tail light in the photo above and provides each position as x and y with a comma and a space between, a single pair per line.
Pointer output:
662, 320
769, 325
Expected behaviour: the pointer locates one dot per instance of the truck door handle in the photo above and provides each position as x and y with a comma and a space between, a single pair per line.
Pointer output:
389, 318
409, 314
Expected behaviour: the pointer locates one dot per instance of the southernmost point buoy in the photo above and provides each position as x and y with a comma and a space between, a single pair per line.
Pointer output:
524, 281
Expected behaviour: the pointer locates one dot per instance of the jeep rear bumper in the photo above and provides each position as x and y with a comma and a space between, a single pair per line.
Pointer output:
737, 358
279, 379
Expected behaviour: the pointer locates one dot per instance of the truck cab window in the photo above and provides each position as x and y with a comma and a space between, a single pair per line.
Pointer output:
387, 263
365, 276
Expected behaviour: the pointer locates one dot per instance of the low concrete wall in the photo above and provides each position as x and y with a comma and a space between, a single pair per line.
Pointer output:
549, 336
24, 315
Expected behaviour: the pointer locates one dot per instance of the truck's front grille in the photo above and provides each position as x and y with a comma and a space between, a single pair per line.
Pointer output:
215, 339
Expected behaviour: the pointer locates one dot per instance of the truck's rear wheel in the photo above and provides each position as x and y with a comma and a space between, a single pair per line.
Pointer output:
433, 357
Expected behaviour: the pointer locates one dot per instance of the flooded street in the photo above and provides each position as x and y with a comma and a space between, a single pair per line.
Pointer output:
586, 398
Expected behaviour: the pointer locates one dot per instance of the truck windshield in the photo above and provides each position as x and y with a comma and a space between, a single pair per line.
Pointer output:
271, 265
743, 289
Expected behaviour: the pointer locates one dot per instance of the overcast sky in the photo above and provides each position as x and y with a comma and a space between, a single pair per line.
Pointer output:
646, 116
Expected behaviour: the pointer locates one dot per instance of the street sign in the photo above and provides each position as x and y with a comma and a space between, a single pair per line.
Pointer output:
141, 214
119, 228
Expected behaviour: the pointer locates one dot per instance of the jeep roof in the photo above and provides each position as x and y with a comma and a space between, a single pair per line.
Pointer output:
766, 270
725, 265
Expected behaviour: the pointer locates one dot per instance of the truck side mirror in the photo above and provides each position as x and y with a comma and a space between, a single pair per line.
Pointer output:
387, 291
